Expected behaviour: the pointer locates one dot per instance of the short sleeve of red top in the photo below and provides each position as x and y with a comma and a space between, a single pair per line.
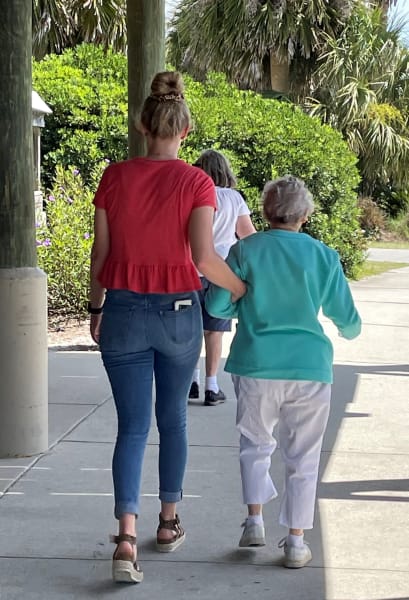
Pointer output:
148, 205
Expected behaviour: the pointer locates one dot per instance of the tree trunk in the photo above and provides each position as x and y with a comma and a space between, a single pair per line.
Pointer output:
23, 287
279, 74
146, 57
17, 233
384, 5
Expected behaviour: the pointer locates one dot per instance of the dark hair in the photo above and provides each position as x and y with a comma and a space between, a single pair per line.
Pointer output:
218, 167
165, 113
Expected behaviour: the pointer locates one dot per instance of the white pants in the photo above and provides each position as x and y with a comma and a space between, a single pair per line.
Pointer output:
301, 409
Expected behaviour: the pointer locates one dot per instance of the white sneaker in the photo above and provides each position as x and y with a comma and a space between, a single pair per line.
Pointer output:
295, 557
253, 535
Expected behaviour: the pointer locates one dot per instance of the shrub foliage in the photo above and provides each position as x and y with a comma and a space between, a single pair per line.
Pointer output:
64, 241
263, 139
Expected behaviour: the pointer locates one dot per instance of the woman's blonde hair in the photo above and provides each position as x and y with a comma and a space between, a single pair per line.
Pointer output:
286, 200
218, 167
165, 113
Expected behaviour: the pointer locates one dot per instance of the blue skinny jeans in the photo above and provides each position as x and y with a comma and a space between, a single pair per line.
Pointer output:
142, 336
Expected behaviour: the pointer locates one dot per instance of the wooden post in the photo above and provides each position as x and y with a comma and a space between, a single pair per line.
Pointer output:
17, 236
23, 287
146, 56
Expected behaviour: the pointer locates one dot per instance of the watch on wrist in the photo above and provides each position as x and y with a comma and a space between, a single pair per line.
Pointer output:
94, 311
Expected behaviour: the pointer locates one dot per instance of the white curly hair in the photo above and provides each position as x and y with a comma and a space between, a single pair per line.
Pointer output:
286, 200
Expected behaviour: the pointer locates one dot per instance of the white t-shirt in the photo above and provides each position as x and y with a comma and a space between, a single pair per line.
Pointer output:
230, 206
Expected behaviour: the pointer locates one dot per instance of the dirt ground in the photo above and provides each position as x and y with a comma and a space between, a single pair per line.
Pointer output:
69, 334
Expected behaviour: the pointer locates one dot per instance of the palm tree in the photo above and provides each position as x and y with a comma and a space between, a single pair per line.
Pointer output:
59, 24
52, 26
361, 87
258, 43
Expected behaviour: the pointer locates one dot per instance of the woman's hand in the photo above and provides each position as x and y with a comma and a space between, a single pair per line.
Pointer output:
95, 326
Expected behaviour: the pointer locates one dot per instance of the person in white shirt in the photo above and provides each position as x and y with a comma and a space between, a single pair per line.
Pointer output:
231, 222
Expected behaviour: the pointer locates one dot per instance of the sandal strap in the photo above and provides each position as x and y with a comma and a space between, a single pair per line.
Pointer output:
123, 537
171, 524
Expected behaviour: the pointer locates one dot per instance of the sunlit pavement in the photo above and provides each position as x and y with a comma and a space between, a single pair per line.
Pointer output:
388, 255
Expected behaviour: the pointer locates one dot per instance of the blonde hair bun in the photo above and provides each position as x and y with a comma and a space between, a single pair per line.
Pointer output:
165, 113
167, 82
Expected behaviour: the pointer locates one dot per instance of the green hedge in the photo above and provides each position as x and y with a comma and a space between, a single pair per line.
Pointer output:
266, 139
86, 90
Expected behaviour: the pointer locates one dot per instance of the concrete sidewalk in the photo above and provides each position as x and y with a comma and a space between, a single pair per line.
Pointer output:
388, 254
56, 509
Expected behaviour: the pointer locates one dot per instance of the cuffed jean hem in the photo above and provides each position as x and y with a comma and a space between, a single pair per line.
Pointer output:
125, 508
170, 496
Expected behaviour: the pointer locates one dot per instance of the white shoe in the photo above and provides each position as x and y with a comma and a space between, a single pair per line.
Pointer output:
295, 557
253, 535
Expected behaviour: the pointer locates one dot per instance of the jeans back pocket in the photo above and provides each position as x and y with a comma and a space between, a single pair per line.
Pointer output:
182, 326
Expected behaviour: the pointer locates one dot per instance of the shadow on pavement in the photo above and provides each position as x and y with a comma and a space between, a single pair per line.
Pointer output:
210, 566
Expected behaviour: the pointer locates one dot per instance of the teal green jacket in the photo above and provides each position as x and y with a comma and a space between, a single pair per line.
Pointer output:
289, 277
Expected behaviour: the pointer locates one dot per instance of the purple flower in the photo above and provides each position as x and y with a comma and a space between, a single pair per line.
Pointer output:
38, 225
86, 236
51, 198
39, 243
47, 242
76, 172
70, 200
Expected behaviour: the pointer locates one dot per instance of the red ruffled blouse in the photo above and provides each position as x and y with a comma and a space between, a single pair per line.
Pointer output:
148, 205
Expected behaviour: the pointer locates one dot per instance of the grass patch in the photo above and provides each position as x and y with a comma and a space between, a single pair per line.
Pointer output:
394, 245
369, 268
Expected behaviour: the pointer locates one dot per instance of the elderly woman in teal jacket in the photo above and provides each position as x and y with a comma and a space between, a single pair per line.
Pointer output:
281, 359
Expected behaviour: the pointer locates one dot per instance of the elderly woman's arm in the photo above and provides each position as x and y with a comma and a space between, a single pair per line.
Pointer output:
219, 302
339, 306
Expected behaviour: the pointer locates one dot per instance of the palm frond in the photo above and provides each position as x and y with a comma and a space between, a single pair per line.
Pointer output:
52, 24
58, 24
361, 86
238, 36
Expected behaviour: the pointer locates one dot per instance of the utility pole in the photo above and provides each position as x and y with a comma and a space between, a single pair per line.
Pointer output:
146, 57
23, 287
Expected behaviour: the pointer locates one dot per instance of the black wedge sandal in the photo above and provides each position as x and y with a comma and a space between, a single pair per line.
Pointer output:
174, 542
124, 568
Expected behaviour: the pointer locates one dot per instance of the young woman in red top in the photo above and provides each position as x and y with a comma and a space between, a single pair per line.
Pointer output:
153, 230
